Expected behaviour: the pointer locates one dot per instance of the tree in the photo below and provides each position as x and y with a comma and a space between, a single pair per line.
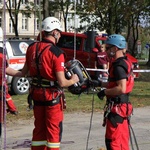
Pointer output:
13, 13
116, 16
52, 7
45, 8
65, 7
134, 18
13, 8
121, 17
105, 13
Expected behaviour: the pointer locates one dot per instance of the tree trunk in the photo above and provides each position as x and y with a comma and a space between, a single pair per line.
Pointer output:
65, 23
16, 32
45, 8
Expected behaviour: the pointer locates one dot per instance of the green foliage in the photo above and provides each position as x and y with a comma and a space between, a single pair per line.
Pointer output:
116, 16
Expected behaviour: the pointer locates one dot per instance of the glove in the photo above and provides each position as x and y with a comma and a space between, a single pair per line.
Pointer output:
101, 94
96, 83
29, 100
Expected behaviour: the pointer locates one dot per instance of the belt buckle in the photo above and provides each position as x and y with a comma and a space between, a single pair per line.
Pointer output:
51, 83
117, 100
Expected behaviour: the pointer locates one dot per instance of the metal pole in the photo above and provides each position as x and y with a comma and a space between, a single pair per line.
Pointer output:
3, 93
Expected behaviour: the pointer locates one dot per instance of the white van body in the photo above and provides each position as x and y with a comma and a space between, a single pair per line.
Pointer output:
15, 50
15, 55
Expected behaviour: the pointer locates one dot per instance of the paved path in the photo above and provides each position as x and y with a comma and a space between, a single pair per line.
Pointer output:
76, 129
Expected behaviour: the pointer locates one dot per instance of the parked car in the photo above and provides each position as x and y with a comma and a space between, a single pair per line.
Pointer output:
15, 54
84, 46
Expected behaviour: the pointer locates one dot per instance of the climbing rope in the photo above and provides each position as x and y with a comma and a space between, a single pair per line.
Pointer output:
3, 90
132, 136
74, 29
90, 127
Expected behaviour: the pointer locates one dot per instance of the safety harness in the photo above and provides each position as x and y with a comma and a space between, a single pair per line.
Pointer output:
121, 99
40, 82
117, 101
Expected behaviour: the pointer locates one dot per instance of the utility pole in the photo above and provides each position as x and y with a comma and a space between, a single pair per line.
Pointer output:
148, 47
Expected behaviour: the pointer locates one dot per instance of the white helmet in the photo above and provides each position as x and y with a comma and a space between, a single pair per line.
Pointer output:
51, 23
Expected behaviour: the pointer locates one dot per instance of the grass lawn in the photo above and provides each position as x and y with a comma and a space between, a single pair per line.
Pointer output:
140, 97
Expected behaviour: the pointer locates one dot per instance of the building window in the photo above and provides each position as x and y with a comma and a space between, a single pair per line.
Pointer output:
37, 24
37, 2
11, 29
24, 1
24, 22
12, 3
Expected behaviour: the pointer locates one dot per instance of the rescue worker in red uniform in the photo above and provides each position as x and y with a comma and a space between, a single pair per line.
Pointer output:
11, 108
45, 63
3, 86
120, 84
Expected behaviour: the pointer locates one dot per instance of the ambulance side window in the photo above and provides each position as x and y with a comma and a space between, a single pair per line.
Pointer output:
15, 48
19, 47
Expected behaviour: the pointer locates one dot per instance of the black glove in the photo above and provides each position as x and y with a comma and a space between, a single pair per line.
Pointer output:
96, 83
101, 94
29, 100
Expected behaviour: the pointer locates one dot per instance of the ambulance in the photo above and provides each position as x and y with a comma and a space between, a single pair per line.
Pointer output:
15, 55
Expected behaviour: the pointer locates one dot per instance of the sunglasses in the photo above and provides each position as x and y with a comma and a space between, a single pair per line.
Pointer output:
107, 48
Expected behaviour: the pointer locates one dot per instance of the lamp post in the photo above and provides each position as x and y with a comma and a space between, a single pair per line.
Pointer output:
148, 48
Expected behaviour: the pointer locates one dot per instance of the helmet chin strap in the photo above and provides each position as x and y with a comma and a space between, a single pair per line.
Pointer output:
56, 38
55, 35
112, 54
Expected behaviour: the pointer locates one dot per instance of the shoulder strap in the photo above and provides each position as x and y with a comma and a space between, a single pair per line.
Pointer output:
130, 70
37, 57
55, 50
123, 64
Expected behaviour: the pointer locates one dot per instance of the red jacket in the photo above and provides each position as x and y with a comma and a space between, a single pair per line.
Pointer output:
51, 60
127, 66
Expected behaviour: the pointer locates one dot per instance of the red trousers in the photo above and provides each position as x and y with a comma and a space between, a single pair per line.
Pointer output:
117, 138
48, 124
10, 104
3, 102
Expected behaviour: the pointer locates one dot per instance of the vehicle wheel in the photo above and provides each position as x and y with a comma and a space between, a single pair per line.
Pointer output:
20, 85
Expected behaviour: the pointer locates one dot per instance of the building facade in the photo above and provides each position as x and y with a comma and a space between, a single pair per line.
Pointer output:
29, 23
28, 27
